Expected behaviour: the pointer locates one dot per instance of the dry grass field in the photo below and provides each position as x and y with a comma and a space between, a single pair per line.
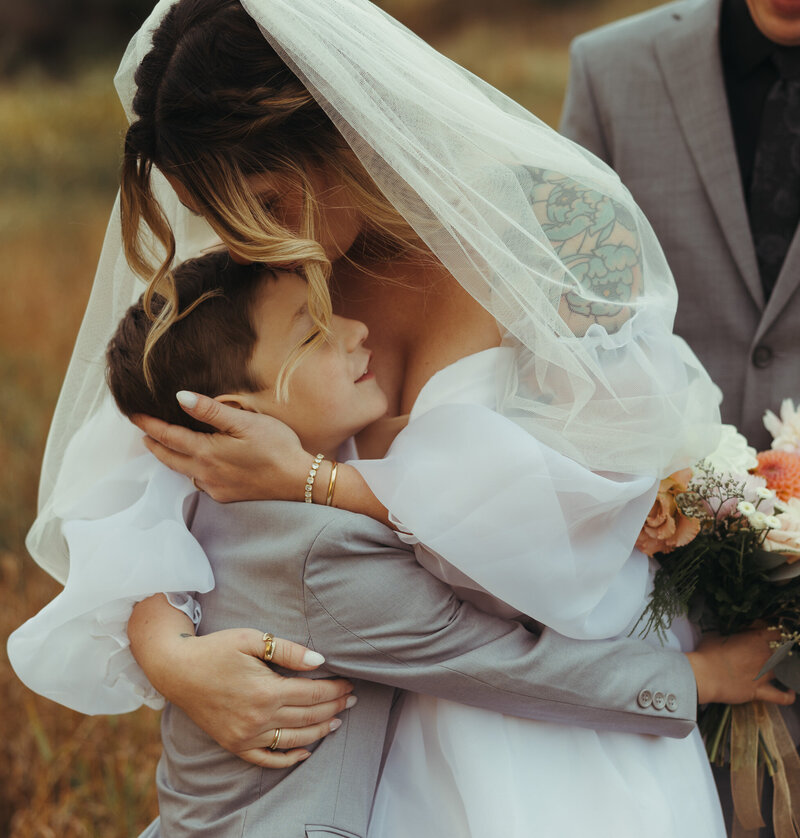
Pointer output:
63, 775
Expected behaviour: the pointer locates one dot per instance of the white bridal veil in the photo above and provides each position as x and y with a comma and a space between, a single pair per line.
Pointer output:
540, 232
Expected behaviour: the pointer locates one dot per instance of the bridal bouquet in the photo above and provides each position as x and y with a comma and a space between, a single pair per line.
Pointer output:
727, 536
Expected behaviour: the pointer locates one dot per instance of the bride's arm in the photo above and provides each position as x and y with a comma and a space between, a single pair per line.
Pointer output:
221, 681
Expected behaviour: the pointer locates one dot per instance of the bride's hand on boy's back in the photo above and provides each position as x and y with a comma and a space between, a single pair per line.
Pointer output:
221, 681
252, 457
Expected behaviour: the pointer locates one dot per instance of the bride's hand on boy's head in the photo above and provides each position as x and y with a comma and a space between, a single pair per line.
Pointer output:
251, 457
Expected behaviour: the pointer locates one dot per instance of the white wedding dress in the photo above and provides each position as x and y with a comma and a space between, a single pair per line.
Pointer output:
547, 539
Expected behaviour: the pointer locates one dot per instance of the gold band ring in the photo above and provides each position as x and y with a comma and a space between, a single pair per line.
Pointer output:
269, 647
275, 739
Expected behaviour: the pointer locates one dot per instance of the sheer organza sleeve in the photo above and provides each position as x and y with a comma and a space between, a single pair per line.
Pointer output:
532, 527
127, 539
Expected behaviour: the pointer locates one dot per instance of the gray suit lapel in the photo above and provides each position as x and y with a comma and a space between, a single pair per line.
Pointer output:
689, 59
785, 287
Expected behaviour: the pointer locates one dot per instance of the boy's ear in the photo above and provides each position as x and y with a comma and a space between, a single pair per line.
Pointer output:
241, 401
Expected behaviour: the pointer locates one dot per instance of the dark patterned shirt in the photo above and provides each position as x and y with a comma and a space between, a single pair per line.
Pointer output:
749, 74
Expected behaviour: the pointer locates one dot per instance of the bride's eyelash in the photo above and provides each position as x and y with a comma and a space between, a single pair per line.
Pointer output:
310, 337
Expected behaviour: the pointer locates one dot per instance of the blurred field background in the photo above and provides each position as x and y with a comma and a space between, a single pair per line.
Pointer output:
63, 775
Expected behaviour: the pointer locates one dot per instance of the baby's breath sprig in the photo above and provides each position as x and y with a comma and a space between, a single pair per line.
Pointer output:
784, 636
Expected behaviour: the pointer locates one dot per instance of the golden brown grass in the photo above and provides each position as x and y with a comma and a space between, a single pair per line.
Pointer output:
63, 775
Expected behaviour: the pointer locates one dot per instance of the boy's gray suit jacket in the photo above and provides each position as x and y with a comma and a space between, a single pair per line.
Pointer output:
647, 95
346, 586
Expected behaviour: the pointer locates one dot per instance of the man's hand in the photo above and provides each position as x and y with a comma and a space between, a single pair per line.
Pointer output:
726, 669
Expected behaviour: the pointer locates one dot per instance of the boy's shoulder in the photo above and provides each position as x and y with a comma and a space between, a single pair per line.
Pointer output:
288, 529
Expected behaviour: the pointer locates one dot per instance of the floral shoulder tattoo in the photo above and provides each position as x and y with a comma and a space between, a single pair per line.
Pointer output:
596, 239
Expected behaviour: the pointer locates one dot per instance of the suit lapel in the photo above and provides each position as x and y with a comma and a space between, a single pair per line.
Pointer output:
786, 285
689, 59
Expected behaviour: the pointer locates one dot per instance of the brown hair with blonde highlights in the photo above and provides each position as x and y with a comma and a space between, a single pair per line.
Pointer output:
215, 105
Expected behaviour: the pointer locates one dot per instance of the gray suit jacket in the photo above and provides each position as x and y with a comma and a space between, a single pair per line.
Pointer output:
348, 587
647, 95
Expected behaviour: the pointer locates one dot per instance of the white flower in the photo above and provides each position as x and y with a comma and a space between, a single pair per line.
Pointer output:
746, 508
786, 430
773, 522
758, 520
753, 487
786, 539
764, 494
780, 507
733, 455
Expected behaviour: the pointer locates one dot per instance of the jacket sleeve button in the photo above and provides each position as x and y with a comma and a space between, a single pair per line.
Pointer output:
672, 703
659, 701
644, 699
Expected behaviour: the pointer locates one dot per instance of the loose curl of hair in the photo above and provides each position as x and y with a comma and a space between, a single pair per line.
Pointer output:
215, 105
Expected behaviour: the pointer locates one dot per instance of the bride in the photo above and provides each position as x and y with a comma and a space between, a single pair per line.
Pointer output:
521, 311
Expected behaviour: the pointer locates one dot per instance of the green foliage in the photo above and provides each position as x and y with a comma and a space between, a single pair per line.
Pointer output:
721, 580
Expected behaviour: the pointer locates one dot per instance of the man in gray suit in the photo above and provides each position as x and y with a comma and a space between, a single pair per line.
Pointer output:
696, 104
684, 102
346, 585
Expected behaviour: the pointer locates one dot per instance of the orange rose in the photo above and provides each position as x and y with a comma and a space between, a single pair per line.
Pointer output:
666, 526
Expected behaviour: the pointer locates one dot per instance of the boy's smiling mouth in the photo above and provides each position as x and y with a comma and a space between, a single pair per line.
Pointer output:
367, 374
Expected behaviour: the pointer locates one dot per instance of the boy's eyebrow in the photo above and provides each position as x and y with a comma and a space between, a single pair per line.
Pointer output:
300, 312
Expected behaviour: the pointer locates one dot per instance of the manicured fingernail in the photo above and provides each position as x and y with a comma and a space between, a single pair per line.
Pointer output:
335, 724
186, 399
306, 755
313, 658
351, 701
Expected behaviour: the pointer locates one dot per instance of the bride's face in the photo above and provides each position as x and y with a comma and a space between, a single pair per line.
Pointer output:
340, 220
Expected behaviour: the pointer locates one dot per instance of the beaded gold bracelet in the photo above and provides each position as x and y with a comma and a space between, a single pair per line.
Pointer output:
312, 473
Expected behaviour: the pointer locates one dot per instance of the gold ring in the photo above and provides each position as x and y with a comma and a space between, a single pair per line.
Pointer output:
269, 648
275, 739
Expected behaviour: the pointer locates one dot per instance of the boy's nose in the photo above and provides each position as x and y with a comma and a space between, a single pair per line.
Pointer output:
357, 332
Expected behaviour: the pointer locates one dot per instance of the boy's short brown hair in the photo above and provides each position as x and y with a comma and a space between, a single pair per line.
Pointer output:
207, 351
